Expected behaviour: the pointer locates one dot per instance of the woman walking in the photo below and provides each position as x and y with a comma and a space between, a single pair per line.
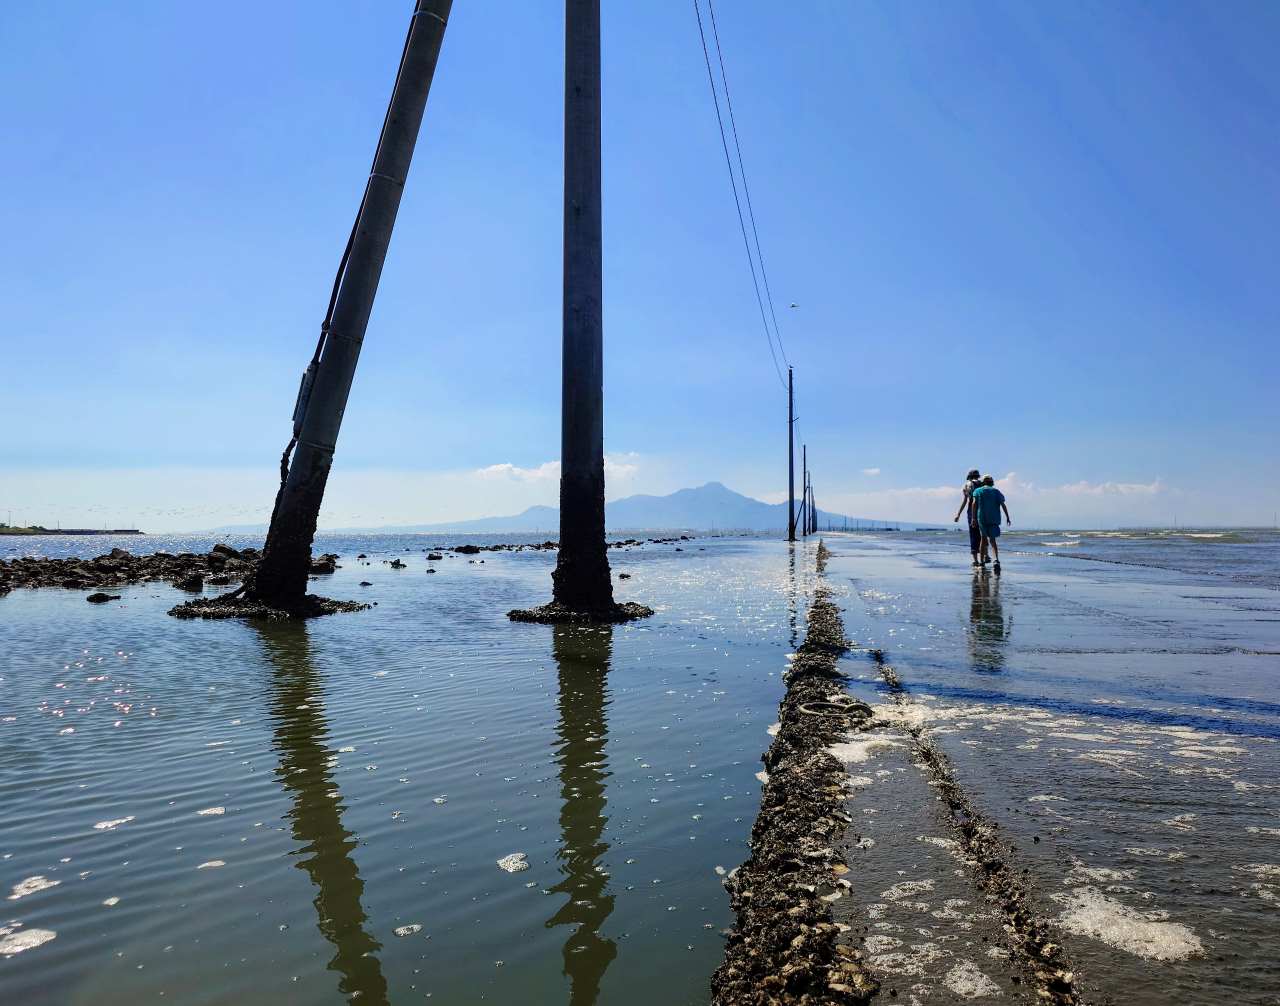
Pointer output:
971, 482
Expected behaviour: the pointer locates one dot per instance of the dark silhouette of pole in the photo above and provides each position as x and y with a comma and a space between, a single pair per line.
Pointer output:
791, 457
804, 490
581, 578
281, 578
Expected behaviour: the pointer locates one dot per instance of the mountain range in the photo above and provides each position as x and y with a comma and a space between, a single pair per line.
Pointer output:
708, 507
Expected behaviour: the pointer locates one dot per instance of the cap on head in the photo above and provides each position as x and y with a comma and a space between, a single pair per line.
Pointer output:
987, 480
973, 473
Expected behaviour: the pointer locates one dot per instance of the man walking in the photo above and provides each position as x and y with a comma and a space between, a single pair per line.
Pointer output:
988, 501
971, 482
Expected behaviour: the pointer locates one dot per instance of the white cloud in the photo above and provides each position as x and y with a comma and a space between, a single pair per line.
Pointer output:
190, 499
871, 471
1082, 502
617, 467
547, 471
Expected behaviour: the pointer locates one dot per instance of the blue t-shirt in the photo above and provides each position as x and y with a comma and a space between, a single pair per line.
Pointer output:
987, 501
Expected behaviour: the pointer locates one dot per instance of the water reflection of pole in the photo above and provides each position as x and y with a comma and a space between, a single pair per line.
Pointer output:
582, 658
316, 816
791, 589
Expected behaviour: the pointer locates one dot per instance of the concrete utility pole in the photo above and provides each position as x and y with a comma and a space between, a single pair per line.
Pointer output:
581, 578
281, 580
804, 490
791, 457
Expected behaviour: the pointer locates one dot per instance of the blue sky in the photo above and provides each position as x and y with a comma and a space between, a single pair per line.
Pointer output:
1037, 239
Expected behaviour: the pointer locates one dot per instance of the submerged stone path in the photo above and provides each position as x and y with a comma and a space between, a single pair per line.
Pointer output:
785, 946
872, 875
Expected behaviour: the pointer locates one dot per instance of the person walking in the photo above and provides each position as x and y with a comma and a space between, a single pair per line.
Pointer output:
971, 482
988, 501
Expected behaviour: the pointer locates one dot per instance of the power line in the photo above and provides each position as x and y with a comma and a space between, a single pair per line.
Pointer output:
742, 171
728, 161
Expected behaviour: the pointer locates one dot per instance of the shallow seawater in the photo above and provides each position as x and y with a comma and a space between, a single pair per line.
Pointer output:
1120, 723
223, 812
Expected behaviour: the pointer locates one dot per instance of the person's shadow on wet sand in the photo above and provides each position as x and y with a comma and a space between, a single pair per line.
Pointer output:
582, 658
988, 629
300, 738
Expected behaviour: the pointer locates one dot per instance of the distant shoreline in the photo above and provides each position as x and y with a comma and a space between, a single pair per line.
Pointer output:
28, 531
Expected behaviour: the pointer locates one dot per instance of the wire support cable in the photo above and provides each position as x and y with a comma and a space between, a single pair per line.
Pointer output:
746, 189
737, 202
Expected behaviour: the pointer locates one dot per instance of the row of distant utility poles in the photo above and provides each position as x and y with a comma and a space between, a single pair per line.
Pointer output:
807, 518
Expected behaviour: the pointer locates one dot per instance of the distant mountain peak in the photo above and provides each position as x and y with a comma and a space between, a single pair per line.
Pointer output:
712, 505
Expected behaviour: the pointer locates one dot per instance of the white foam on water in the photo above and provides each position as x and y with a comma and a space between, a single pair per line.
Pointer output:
1147, 851
763, 776
1089, 912
878, 944
31, 885
1181, 822
773, 729
906, 889
1045, 798
514, 863
948, 845
24, 939
858, 748
1082, 873
967, 981
911, 962
1087, 738
112, 825
1268, 870
1255, 830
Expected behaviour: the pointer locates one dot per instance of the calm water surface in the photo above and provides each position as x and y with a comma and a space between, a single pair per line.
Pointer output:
226, 812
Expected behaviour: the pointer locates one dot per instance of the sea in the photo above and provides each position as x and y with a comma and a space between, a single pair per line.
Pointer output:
426, 801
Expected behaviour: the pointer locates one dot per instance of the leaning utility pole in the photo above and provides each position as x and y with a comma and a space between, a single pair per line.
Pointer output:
791, 457
581, 579
281, 579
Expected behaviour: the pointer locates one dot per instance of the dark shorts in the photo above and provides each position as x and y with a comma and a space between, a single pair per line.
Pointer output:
975, 537
991, 530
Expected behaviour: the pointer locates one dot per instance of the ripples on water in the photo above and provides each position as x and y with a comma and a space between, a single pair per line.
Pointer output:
264, 813
228, 812
1121, 722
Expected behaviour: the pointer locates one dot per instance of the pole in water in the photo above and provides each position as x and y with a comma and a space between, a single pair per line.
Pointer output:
581, 578
582, 587
281, 579
804, 494
791, 457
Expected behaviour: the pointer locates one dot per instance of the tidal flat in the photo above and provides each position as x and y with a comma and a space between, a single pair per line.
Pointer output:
268, 813
424, 799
